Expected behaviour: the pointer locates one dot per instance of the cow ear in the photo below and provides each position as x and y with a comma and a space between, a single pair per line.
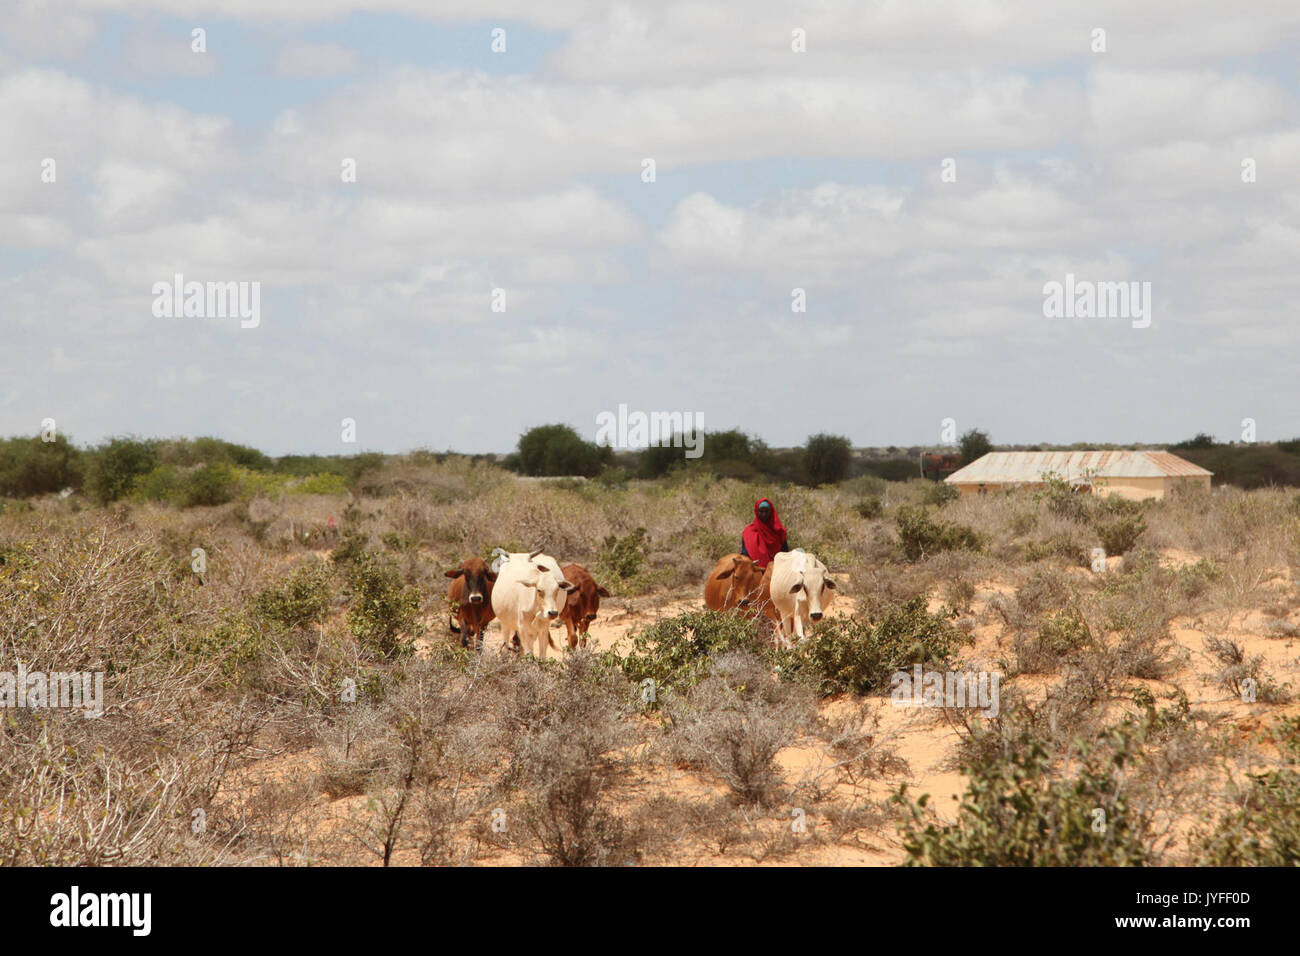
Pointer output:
829, 583
602, 592
566, 586
455, 572
726, 574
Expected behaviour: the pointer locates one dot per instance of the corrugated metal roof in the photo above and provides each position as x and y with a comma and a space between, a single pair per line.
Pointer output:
1026, 467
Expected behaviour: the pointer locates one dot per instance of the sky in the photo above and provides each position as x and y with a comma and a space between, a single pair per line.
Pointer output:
854, 213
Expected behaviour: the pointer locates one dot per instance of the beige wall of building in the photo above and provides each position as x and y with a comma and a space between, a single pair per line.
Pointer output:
1136, 489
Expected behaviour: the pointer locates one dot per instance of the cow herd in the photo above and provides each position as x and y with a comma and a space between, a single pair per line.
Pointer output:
529, 591
526, 593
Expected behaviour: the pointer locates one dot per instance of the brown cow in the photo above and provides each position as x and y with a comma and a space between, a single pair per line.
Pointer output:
581, 605
735, 582
470, 597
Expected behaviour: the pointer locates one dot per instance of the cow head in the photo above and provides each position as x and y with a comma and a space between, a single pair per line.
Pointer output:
477, 580
745, 576
547, 580
817, 587
550, 585
583, 601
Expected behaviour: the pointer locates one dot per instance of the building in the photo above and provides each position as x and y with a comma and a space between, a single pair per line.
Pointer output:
1130, 474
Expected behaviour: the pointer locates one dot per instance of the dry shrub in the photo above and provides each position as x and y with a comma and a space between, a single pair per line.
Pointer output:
568, 731
734, 721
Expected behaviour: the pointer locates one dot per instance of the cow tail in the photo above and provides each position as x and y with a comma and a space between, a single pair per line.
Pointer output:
451, 623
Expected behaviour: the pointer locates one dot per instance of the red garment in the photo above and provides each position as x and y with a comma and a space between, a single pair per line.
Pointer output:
763, 541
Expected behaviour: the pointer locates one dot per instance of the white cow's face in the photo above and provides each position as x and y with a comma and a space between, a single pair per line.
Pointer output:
817, 589
551, 588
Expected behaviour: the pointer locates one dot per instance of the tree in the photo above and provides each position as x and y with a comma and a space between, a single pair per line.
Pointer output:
1202, 440
559, 450
826, 458
116, 464
30, 466
731, 453
974, 444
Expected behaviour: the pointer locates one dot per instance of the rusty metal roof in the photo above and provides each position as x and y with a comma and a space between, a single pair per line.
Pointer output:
1026, 467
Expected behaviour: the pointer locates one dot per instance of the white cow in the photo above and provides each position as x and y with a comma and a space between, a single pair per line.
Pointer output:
802, 590
527, 596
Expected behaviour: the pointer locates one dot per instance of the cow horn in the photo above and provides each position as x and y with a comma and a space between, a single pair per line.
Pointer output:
536, 553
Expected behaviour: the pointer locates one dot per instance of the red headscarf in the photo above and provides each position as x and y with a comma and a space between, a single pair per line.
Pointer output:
763, 541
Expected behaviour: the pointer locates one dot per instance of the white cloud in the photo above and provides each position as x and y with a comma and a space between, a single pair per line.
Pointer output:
35, 29
154, 51
449, 132
315, 59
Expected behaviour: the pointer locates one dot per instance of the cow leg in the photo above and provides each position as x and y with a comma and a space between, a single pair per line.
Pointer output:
798, 627
573, 634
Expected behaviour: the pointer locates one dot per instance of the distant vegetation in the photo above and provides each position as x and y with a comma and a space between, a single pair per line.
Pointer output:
180, 471
1255, 465
210, 471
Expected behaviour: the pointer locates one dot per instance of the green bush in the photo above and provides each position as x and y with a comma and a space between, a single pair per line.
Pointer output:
384, 609
1121, 535
676, 653
731, 453
115, 465
974, 445
1058, 638
351, 548
235, 644
30, 466
187, 453
826, 459
559, 450
160, 484
853, 655
213, 484
301, 600
869, 507
1264, 830
1062, 499
622, 557
1017, 812
1064, 632
921, 536
939, 494
320, 484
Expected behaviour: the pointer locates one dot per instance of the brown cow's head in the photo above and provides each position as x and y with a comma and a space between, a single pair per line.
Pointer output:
478, 580
583, 602
746, 576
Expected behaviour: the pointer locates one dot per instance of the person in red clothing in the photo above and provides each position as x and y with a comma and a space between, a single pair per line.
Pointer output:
764, 536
